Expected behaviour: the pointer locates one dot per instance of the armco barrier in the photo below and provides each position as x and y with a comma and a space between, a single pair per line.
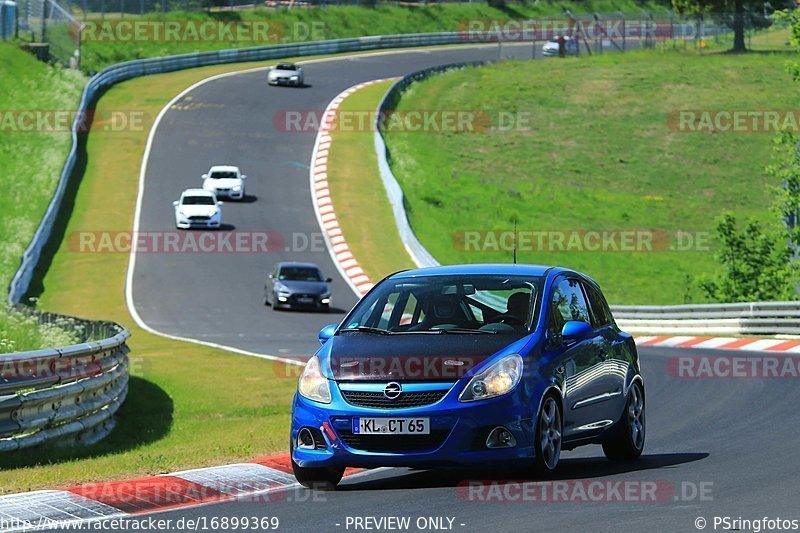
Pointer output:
143, 67
760, 318
67, 394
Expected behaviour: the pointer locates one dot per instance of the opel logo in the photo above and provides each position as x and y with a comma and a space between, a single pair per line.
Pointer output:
392, 390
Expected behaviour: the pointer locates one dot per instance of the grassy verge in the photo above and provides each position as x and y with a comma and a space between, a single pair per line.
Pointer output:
31, 161
362, 208
600, 155
188, 406
102, 48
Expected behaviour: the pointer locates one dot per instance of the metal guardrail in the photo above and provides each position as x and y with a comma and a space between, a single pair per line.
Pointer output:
68, 394
756, 318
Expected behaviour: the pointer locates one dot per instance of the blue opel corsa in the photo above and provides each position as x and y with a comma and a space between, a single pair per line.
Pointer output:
470, 365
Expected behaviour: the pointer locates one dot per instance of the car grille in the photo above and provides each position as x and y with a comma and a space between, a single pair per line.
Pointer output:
223, 190
394, 443
295, 297
199, 217
405, 400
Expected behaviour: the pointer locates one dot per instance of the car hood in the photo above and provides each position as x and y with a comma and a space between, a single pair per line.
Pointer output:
424, 357
306, 287
198, 210
227, 183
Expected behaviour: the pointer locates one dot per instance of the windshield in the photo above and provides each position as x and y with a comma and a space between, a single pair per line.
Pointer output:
286, 66
300, 274
456, 303
220, 175
198, 200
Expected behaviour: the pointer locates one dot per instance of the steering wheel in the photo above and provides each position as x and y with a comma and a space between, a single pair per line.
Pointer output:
508, 319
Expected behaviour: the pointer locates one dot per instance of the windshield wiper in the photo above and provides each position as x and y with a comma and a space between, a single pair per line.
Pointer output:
367, 329
469, 331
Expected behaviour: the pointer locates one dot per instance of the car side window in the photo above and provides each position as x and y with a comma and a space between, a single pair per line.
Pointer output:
601, 314
570, 303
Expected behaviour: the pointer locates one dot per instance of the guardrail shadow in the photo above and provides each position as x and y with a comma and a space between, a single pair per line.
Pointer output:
568, 469
145, 416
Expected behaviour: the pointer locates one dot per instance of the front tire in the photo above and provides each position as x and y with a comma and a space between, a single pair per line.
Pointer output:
318, 478
627, 439
548, 433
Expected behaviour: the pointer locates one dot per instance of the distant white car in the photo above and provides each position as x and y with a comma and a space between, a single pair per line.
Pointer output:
550, 48
225, 180
285, 74
197, 208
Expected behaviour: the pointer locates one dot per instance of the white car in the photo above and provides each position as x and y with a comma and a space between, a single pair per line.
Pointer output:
225, 180
285, 74
550, 48
197, 208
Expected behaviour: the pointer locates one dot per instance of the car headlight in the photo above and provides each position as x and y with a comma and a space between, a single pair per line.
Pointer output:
312, 384
498, 379
294, 78
237, 188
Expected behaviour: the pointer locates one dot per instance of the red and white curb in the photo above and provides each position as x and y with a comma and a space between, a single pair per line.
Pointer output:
340, 252
722, 343
258, 481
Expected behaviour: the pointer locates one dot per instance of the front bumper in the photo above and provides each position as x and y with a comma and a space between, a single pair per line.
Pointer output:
458, 433
198, 224
285, 81
229, 193
298, 301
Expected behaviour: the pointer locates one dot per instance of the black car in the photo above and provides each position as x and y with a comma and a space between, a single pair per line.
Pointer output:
297, 285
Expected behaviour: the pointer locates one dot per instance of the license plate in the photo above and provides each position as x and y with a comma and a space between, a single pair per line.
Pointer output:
391, 426
305, 300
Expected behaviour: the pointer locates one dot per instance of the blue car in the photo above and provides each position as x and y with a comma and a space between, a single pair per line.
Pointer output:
467, 366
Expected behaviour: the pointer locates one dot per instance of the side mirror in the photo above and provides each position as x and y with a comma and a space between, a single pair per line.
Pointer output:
175, 203
205, 176
326, 333
220, 203
328, 280
575, 330
243, 177
270, 276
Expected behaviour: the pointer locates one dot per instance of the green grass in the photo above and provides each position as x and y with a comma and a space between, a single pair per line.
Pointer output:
358, 194
31, 162
19, 332
332, 23
600, 155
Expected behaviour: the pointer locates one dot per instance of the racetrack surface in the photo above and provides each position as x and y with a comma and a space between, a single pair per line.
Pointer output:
218, 297
733, 438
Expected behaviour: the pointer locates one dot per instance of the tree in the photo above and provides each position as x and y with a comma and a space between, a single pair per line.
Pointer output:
736, 8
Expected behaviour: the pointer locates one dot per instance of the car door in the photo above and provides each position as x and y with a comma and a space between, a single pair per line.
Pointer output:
616, 356
581, 361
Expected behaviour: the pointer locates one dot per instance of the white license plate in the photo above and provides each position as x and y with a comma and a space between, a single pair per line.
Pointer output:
305, 300
391, 426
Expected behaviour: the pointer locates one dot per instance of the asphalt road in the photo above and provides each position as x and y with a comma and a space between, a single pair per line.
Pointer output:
724, 447
217, 297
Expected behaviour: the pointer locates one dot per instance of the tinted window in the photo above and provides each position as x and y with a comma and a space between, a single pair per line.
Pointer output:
297, 273
601, 314
502, 304
568, 304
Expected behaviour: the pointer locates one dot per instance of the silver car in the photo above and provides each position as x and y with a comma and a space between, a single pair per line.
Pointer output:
286, 74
